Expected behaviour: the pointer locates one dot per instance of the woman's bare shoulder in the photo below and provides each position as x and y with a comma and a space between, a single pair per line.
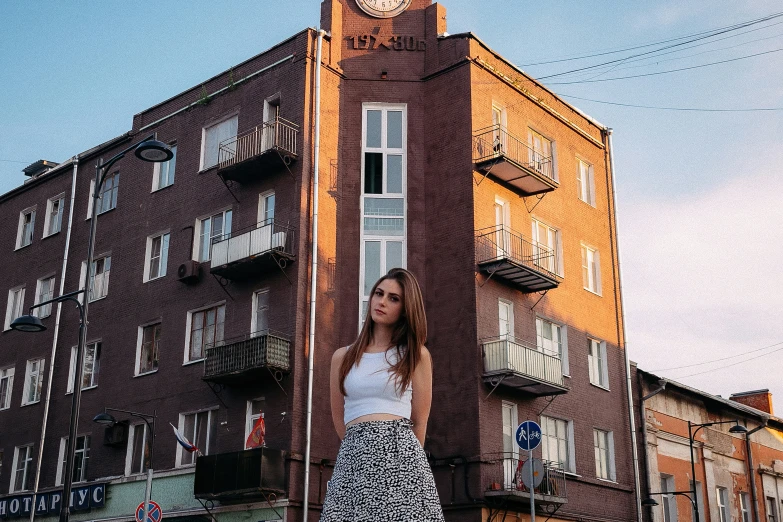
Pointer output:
339, 354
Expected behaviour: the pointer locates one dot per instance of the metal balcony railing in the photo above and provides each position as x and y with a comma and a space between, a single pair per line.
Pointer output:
276, 135
506, 355
496, 142
266, 237
240, 355
505, 477
500, 243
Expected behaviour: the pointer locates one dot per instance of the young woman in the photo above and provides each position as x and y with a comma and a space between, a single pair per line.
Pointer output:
381, 392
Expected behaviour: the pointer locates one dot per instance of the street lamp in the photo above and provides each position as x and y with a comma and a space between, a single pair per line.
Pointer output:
150, 150
108, 420
737, 428
687, 494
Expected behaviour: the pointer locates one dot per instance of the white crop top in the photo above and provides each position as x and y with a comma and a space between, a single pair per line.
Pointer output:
370, 388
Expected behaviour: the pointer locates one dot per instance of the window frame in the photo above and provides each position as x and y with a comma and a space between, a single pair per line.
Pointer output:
668, 502
39, 312
722, 497
196, 254
610, 464
569, 466
97, 344
9, 309
189, 328
60, 477
7, 374
47, 232
603, 363
596, 272
509, 336
211, 124
744, 505
563, 334
28, 459
211, 418
158, 167
163, 257
559, 267
771, 509
140, 344
263, 209
115, 194
28, 376
250, 418
20, 232
552, 151
254, 331
130, 447
83, 276
582, 184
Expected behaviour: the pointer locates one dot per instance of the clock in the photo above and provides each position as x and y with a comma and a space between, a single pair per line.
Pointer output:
383, 8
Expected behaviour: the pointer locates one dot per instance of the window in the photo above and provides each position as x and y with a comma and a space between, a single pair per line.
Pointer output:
557, 445
723, 504
772, 515
6, 387
90, 367
383, 243
53, 221
15, 307
24, 234
33, 381
603, 441
591, 269
137, 457
597, 364
148, 349
546, 247
205, 329
584, 182
255, 409
669, 504
540, 154
210, 230
552, 339
506, 319
44, 291
80, 458
157, 255
260, 320
744, 507
498, 125
266, 209
99, 278
163, 173
22, 468
212, 137
510, 448
503, 227
107, 199
200, 429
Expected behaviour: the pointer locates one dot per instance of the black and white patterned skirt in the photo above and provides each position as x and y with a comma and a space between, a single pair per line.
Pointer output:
382, 474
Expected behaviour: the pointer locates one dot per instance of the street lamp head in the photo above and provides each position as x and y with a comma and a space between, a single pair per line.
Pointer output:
154, 151
738, 428
27, 323
105, 419
649, 502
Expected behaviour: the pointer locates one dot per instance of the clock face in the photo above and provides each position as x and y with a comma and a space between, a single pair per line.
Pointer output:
383, 8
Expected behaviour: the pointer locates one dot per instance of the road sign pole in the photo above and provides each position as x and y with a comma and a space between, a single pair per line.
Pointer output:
532, 487
147, 494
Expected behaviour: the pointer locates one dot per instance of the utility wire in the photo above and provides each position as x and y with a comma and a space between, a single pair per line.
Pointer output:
718, 360
15, 161
730, 365
689, 109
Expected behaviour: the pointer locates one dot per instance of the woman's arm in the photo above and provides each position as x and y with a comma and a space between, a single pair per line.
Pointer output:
422, 395
337, 398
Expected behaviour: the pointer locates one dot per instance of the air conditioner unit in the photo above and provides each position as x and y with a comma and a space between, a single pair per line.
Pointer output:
116, 435
189, 271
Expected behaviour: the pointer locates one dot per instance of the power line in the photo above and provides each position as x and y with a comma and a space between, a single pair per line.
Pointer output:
15, 161
730, 365
719, 360
689, 109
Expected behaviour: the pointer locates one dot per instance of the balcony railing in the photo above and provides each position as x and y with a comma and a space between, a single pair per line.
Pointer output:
513, 161
239, 358
505, 479
526, 264
272, 144
511, 363
240, 474
242, 254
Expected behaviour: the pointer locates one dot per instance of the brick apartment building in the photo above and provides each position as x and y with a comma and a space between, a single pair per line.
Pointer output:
735, 479
435, 154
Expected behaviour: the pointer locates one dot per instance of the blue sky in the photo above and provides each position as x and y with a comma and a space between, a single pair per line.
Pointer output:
698, 192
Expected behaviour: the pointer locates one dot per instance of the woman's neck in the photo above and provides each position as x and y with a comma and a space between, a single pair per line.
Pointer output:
381, 337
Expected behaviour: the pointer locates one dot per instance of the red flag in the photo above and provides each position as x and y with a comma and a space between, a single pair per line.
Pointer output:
256, 437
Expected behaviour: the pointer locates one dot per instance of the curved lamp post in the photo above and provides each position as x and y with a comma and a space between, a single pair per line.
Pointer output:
149, 149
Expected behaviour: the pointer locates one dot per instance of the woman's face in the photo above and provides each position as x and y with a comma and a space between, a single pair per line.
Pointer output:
386, 304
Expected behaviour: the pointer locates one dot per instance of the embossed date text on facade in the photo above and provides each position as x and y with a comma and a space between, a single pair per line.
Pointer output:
389, 41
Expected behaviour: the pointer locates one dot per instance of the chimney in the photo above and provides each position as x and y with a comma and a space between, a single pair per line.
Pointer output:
759, 399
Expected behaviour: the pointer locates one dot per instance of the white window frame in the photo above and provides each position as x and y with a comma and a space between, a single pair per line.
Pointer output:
563, 344
169, 171
771, 508
570, 463
58, 481
139, 344
510, 454
385, 151
46, 310
500, 118
129, 449
28, 459
699, 501
508, 305
83, 276
585, 181
28, 378
20, 232
602, 378
557, 263
114, 188
97, 346
552, 149
204, 129
254, 318
212, 417
668, 502
591, 275
263, 210
165, 241
251, 419
11, 311
59, 217
722, 496
197, 232
610, 464
744, 502
189, 325
502, 210
7, 375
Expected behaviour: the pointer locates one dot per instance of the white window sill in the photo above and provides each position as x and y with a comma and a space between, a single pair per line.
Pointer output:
6, 408
593, 291
573, 474
30, 403
154, 278
206, 169
195, 361
22, 246
609, 481
589, 204
50, 235
146, 373
161, 188
185, 466
600, 387
99, 298
69, 392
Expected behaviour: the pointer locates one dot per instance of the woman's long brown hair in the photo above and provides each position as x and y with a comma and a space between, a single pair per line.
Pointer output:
409, 334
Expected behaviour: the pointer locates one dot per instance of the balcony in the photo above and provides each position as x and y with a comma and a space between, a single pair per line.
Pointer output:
245, 358
250, 253
525, 264
510, 363
239, 474
505, 481
263, 150
511, 160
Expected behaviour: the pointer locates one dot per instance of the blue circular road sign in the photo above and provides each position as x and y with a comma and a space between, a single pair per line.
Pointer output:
528, 435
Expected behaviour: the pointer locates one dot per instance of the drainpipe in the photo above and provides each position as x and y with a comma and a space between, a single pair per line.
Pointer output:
751, 470
313, 273
643, 413
632, 422
56, 336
